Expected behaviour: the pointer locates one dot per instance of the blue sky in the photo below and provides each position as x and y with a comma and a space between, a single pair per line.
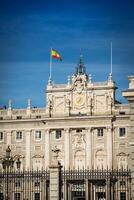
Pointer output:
29, 28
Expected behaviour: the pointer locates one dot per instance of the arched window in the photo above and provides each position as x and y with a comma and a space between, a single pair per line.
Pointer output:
122, 160
79, 159
37, 162
101, 159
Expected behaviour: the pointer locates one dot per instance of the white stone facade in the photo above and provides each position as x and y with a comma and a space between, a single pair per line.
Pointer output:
82, 119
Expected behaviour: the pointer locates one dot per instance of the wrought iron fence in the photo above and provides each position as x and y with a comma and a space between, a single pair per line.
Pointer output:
96, 184
78, 184
25, 185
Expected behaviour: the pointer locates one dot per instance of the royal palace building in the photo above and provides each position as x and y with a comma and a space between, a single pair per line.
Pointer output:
82, 121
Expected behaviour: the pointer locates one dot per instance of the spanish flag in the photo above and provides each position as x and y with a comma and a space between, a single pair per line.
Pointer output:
55, 54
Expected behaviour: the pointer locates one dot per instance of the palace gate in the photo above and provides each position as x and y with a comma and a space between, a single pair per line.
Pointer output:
78, 184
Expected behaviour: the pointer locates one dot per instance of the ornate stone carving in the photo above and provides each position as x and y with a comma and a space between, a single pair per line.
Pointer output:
49, 103
55, 155
19, 156
68, 101
78, 141
79, 101
38, 156
79, 86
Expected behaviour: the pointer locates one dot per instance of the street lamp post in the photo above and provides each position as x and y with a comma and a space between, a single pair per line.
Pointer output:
8, 164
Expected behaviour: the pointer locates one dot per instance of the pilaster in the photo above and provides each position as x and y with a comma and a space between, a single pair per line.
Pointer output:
28, 149
89, 148
67, 148
55, 185
109, 147
47, 148
9, 138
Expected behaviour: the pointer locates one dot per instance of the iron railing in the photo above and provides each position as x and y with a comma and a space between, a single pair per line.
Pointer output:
114, 184
78, 184
25, 185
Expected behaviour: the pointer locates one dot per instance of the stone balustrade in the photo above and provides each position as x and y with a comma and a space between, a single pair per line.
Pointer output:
23, 113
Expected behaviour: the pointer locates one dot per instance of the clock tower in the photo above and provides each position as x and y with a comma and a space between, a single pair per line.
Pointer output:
79, 86
80, 96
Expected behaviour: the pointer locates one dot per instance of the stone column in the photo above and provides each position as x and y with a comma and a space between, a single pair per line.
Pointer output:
55, 182
87, 189
67, 148
65, 194
47, 148
91, 195
28, 149
108, 192
89, 148
109, 147
55, 176
92, 155
9, 138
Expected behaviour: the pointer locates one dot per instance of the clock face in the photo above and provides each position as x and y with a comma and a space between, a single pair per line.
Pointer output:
79, 100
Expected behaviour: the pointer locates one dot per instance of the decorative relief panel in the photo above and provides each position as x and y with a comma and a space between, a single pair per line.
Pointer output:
68, 101
59, 104
100, 102
79, 85
79, 93
78, 150
79, 101
78, 141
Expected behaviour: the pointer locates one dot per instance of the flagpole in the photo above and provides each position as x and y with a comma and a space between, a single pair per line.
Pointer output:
50, 73
111, 60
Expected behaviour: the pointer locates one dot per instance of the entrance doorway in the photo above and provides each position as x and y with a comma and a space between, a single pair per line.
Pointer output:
78, 195
101, 195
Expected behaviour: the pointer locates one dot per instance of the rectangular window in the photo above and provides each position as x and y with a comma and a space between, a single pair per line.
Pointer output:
122, 183
123, 196
122, 113
18, 135
78, 130
19, 117
1, 136
17, 196
17, 184
122, 132
100, 132
37, 135
38, 116
1, 196
37, 184
37, 196
101, 195
58, 134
